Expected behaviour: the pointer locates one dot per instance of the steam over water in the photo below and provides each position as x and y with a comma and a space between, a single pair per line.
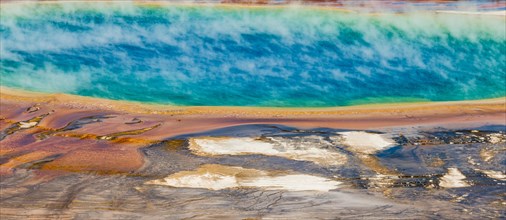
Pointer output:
211, 55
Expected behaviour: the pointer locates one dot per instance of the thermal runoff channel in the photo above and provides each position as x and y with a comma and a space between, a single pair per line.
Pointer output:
251, 56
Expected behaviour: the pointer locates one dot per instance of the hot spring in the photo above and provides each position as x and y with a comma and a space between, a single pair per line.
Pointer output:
198, 55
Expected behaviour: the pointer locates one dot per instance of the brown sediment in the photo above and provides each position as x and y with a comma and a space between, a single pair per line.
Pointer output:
82, 149
373, 163
114, 136
435, 162
22, 125
174, 144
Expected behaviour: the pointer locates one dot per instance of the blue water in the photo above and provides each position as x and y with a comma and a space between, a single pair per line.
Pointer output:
223, 56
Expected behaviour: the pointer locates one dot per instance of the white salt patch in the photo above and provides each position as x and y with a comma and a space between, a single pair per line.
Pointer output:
496, 138
231, 146
310, 148
487, 155
494, 174
27, 124
217, 177
298, 182
381, 181
208, 180
365, 142
453, 179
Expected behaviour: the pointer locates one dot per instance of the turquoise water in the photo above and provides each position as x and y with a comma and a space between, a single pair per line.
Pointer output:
220, 56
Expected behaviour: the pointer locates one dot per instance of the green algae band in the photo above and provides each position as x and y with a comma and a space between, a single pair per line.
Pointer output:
249, 56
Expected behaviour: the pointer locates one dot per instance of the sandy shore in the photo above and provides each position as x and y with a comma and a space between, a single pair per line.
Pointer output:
76, 154
104, 135
348, 117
